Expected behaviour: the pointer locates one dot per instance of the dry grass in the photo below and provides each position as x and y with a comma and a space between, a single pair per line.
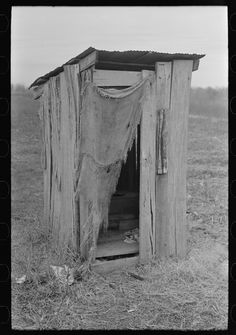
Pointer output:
188, 294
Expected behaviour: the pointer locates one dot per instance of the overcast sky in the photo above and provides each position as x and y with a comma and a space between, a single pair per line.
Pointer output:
43, 38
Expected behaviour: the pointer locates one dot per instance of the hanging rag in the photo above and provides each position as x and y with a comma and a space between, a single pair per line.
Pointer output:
109, 119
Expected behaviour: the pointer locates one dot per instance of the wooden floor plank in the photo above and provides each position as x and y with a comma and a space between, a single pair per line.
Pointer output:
112, 244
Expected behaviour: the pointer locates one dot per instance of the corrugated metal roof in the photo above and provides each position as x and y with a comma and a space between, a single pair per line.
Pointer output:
141, 57
125, 60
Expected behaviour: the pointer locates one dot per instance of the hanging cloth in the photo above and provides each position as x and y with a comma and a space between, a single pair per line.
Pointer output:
109, 120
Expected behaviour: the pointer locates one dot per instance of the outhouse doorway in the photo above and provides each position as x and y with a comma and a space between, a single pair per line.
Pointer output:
122, 237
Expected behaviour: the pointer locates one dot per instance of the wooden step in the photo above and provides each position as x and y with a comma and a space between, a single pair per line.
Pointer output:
112, 244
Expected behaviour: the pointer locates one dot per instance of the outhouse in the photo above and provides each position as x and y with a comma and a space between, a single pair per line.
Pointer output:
114, 154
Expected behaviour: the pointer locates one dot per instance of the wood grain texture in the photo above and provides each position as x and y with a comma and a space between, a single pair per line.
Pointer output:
55, 155
65, 227
85, 238
171, 188
115, 78
37, 91
163, 86
177, 154
73, 91
88, 61
61, 125
196, 63
47, 156
147, 212
115, 245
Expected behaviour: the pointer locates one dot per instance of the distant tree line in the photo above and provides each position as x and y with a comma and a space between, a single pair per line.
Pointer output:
209, 101
203, 101
20, 89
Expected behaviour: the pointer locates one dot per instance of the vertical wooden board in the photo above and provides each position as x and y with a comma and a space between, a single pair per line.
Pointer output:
73, 92
77, 117
88, 61
177, 152
43, 154
164, 235
147, 177
47, 171
50, 121
196, 63
85, 224
63, 157
66, 215
85, 234
60, 158
55, 199
52, 148
75, 153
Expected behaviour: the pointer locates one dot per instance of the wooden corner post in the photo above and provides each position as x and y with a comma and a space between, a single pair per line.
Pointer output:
163, 87
173, 89
147, 211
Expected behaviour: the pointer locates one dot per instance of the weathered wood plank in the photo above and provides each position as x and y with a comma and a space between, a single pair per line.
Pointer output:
88, 61
65, 230
147, 210
73, 86
61, 231
47, 144
117, 264
75, 154
115, 245
171, 187
196, 63
55, 196
177, 156
37, 91
85, 229
115, 78
164, 236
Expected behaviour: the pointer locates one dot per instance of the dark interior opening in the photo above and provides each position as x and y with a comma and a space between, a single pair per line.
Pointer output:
121, 237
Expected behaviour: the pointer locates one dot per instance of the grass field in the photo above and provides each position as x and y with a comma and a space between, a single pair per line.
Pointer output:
189, 294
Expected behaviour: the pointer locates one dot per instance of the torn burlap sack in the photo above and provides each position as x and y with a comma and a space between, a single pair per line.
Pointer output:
109, 119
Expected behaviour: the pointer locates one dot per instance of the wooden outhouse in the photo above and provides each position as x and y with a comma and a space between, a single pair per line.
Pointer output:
114, 154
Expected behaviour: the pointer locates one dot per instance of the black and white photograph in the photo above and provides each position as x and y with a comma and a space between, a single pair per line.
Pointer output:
119, 168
